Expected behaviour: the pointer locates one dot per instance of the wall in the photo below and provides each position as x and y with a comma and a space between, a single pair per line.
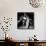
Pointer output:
9, 8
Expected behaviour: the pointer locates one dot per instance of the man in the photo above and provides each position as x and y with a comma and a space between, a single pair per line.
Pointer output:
25, 21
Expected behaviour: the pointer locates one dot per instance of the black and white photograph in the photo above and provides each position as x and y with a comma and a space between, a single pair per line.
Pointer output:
25, 20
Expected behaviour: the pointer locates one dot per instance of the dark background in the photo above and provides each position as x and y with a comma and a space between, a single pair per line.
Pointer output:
29, 14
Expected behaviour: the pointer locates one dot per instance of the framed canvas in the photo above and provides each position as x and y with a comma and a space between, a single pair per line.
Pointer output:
25, 20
